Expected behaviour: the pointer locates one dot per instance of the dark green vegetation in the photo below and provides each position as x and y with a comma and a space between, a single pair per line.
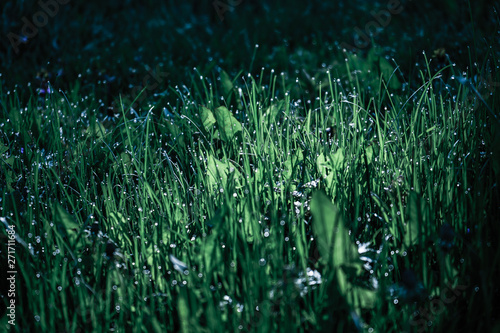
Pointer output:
165, 174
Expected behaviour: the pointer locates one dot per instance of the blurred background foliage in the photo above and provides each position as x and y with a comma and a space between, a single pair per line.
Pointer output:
117, 42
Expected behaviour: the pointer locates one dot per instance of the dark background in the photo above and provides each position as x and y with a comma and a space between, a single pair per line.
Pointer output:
116, 42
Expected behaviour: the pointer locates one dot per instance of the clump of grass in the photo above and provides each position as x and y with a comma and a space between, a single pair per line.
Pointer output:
207, 215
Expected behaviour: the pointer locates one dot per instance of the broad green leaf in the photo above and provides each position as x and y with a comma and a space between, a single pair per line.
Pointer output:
325, 169
273, 111
336, 247
10, 178
228, 125
65, 219
291, 162
227, 84
16, 119
123, 161
176, 133
358, 63
416, 209
126, 160
356, 296
332, 236
96, 131
218, 171
338, 159
216, 135
66, 224
364, 298
208, 119
369, 154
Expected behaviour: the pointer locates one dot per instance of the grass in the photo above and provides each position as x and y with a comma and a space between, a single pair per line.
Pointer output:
355, 198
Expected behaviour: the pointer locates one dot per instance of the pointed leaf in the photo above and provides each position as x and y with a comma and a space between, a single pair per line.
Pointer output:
66, 225
208, 119
65, 219
218, 171
228, 125
356, 296
338, 159
332, 236
415, 209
